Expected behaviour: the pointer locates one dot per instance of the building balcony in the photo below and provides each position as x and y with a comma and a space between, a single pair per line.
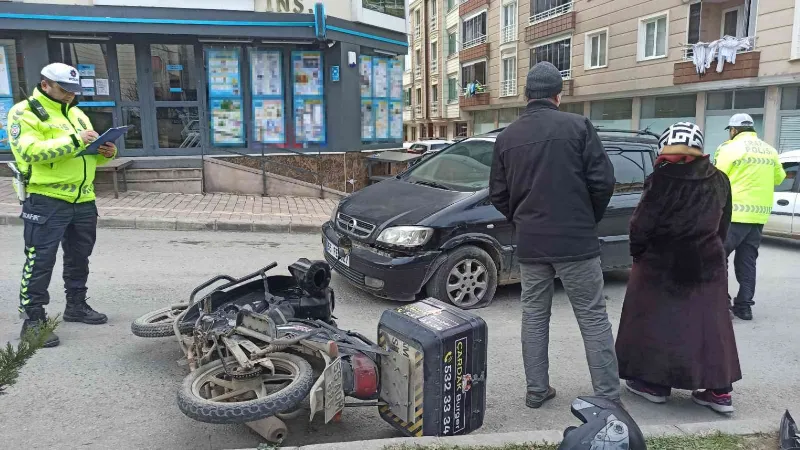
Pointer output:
551, 22
508, 88
467, 6
474, 51
508, 34
746, 66
467, 100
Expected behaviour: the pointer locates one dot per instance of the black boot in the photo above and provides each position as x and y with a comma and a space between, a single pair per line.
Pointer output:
35, 319
79, 311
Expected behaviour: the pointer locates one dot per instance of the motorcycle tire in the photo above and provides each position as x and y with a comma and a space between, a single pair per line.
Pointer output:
145, 328
283, 401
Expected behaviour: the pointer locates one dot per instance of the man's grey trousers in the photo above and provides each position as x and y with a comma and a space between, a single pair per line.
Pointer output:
583, 283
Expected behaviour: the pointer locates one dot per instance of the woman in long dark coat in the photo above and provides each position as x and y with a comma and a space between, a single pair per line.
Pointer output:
675, 330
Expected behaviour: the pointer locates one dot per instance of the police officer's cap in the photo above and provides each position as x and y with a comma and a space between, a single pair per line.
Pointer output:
66, 76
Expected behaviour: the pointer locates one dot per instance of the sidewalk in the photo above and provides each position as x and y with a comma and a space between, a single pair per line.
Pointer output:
185, 212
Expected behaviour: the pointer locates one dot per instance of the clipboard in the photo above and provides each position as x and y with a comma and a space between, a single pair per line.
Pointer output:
110, 135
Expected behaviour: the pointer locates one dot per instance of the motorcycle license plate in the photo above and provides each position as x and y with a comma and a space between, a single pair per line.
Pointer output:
334, 389
336, 252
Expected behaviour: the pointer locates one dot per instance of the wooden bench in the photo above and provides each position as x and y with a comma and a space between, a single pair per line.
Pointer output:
115, 167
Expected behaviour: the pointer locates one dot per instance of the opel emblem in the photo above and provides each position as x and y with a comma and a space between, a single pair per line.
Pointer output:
353, 224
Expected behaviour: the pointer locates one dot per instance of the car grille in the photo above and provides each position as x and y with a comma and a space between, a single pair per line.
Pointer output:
350, 274
353, 226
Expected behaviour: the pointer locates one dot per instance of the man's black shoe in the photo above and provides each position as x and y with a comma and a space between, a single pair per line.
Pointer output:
80, 311
743, 312
35, 320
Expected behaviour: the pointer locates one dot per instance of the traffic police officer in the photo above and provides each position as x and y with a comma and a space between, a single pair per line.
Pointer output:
753, 168
48, 135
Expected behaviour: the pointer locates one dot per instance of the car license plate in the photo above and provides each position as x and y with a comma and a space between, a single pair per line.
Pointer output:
334, 389
336, 252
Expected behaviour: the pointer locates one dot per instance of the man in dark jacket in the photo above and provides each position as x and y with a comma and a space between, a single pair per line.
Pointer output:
553, 180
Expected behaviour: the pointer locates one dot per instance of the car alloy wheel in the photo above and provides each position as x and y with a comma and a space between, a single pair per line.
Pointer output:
467, 283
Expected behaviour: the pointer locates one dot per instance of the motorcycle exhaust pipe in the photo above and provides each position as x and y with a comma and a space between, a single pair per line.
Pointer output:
312, 277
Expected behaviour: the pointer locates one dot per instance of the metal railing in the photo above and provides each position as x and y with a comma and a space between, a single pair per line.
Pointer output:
417, 31
550, 13
434, 64
508, 34
418, 72
508, 88
474, 42
688, 50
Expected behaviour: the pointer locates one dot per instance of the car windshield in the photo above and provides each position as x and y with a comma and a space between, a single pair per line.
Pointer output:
464, 166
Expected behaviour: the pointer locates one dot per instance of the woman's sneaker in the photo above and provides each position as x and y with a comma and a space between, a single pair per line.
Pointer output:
643, 390
720, 403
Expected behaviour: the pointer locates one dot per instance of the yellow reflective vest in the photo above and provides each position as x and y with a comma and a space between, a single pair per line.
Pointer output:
753, 168
48, 150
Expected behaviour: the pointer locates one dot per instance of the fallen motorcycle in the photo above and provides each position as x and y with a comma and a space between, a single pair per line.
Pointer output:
267, 348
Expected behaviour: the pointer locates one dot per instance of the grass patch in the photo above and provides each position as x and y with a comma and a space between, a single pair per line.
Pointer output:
709, 442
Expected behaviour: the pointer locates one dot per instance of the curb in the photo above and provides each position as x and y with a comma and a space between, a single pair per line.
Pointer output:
280, 225
732, 427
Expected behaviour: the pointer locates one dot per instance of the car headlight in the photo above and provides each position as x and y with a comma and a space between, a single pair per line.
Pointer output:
334, 212
406, 236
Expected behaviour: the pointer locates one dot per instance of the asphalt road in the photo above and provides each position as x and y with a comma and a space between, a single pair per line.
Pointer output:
105, 388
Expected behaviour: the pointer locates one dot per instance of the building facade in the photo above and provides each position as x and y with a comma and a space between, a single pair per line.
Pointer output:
630, 63
207, 76
431, 80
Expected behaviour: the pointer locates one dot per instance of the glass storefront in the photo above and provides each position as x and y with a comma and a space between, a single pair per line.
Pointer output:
658, 113
12, 84
789, 119
482, 122
612, 114
508, 116
574, 107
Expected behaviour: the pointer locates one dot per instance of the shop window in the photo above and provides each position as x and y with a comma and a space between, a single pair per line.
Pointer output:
381, 99
658, 113
126, 67
789, 120
174, 77
269, 113
461, 129
721, 105
443, 131
309, 105
101, 118
91, 60
483, 122
508, 116
615, 114
178, 127
790, 98
226, 108
574, 107
133, 138
11, 85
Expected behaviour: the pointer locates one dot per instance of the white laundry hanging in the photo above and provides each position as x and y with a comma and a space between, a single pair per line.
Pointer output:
724, 50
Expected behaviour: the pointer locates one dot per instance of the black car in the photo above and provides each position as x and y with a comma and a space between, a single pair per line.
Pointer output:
433, 227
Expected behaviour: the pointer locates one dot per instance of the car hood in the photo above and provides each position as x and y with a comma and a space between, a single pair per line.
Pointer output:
397, 202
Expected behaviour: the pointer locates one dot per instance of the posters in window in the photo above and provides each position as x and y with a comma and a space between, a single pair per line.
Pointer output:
307, 70
381, 77
5, 74
86, 70
365, 76
396, 118
367, 120
382, 119
5, 106
267, 78
309, 120
227, 122
270, 120
223, 73
396, 69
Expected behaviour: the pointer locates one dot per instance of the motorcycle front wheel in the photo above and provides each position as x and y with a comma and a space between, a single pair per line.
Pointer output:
158, 323
226, 394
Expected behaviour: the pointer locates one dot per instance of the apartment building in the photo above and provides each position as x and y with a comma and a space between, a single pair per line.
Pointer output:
432, 71
629, 63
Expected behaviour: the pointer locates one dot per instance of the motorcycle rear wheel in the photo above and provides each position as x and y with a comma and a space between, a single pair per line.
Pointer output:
210, 395
158, 323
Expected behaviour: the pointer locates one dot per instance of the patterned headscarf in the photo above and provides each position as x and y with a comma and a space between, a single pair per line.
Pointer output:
682, 133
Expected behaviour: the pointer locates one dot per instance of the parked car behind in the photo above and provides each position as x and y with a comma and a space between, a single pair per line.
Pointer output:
785, 218
433, 227
428, 146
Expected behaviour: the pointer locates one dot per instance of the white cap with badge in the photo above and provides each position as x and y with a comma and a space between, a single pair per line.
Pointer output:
740, 120
66, 76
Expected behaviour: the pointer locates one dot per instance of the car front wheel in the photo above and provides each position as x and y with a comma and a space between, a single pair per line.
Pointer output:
468, 279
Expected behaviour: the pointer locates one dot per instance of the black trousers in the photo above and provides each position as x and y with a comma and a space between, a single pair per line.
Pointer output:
48, 223
744, 239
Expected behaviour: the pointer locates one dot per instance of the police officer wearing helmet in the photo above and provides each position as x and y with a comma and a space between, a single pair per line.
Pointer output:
754, 170
48, 134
